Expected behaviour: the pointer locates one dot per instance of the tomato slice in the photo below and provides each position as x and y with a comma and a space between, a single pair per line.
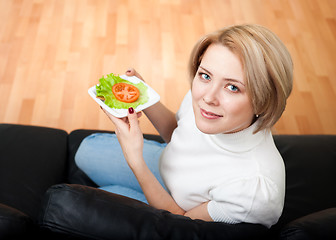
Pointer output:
125, 92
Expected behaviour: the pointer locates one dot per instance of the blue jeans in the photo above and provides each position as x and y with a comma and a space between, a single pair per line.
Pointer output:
100, 157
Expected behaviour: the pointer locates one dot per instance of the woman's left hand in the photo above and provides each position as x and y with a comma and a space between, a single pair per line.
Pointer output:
129, 135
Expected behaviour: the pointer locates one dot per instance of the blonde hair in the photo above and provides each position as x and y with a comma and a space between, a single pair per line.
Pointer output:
267, 66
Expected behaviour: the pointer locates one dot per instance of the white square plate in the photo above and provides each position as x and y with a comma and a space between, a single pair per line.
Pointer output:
153, 96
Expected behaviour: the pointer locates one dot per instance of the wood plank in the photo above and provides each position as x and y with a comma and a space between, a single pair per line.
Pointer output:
52, 51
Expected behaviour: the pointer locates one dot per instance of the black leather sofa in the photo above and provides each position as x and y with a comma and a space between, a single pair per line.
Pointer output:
44, 195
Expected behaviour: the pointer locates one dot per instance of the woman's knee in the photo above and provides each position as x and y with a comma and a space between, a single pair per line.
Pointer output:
96, 147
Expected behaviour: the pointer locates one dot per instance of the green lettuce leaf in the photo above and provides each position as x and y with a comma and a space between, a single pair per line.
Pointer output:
104, 89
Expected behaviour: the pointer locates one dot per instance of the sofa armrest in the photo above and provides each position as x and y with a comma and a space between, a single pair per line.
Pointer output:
319, 225
32, 159
13, 223
87, 212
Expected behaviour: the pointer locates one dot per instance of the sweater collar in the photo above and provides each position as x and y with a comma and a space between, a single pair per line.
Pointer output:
241, 141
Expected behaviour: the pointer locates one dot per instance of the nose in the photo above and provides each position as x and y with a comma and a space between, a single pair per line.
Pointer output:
211, 95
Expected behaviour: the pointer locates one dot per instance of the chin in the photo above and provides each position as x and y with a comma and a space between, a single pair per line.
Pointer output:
207, 128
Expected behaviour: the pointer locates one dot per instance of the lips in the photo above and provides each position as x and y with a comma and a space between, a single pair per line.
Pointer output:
209, 115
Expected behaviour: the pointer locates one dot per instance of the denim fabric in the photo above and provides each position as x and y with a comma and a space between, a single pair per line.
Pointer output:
101, 158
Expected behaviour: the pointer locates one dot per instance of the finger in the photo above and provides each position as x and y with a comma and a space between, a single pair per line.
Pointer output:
133, 120
139, 114
116, 131
120, 123
131, 72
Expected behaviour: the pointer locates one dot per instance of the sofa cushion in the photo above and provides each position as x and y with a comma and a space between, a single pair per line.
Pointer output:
75, 175
31, 160
310, 162
319, 225
13, 223
92, 213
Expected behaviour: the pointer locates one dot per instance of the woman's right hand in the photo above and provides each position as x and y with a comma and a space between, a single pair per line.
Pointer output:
129, 135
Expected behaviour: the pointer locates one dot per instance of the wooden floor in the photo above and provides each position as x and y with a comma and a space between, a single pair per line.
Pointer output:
53, 51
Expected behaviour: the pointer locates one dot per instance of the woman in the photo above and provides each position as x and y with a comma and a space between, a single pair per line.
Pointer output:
220, 163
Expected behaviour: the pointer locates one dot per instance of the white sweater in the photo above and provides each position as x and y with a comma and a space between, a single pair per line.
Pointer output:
242, 175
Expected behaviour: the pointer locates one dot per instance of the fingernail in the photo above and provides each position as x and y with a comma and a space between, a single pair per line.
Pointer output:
131, 110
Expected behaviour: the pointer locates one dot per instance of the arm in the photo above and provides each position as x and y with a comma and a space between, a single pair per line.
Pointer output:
131, 141
157, 196
163, 120
161, 117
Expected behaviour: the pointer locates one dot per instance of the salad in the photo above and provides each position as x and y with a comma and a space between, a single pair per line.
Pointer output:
119, 93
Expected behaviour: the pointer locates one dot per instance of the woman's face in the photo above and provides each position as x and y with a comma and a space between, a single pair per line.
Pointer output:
220, 100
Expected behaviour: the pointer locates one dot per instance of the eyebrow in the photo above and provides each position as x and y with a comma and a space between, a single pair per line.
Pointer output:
227, 79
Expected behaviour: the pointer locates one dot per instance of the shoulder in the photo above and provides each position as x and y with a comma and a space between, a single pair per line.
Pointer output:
269, 160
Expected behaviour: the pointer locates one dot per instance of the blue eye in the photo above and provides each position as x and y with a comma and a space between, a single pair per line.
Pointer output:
233, 88
205, 76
